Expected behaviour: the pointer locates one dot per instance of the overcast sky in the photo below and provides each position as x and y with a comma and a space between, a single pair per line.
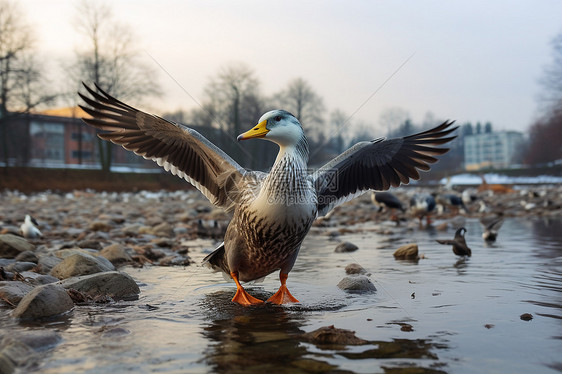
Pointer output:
470, 60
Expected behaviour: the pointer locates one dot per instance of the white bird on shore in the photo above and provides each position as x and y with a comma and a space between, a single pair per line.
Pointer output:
29, 228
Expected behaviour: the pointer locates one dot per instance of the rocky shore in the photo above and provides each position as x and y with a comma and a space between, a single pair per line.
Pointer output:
87, 238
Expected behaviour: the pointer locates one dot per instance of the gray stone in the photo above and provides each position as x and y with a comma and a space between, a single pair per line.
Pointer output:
12, 245
81, 264
14, 291
357, 283
116, 253
37, 279
355, 269
38, 340
44, 301
27, 256
114, 284
47, 263
346, 247
18, 267
14, 354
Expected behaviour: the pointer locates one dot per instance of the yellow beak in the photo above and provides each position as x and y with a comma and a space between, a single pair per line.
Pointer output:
257, 132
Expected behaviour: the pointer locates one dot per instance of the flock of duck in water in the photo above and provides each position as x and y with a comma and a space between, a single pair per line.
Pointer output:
423, 205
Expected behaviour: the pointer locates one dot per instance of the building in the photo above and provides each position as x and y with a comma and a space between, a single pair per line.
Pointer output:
492, 150
58, 138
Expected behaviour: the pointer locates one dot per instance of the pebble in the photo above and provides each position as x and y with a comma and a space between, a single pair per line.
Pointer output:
81, 264
407, 252
116, 254
27, 256
44, 301
12, 245
20, 266
357, 284
355, 269
14, 291
117, 285
346, 247
330, 335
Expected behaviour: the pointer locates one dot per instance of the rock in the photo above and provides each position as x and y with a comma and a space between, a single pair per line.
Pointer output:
163, 229
38, 340
14, 291
346, 247
407, 252
27, 256
89, 243
355, 269
81, 264
37, 279
526, 316
18, 267
14, 354
357, 283
44, 301
116, 253
100, 226
47, 263
331, 335
12, 245
131, 230
118, 286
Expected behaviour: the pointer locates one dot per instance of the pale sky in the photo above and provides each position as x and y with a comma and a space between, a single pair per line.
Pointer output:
472, 60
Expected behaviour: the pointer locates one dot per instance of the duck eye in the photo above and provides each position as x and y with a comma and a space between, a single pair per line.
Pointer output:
277, 118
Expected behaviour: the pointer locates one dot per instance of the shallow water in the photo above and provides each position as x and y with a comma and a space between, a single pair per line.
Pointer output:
441, 313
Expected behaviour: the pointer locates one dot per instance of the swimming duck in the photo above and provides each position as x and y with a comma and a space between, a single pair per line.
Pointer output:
459, 243
29, 228
272, 212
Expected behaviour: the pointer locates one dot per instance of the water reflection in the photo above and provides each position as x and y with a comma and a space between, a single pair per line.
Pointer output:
271, 338
248, 340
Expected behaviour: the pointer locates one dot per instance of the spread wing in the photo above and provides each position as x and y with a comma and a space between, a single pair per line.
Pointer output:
378, 165
178, 149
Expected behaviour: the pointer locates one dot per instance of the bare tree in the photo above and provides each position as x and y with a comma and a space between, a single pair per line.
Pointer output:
391, 118
300, 99
108, 57
22, 86
233, 103
552, 77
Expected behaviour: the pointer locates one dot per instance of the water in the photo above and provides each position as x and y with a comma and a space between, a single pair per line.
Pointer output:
439, 314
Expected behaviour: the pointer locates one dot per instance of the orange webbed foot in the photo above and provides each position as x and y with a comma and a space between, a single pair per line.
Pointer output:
282, 295
242, 297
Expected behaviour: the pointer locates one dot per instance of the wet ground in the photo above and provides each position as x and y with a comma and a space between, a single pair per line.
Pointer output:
439, 314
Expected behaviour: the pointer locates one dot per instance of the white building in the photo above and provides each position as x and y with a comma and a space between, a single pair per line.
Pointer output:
491, 150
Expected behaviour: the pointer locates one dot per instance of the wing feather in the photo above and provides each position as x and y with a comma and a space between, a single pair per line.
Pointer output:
178, 149
378, 165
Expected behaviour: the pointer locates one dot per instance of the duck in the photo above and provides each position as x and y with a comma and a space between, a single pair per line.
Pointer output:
29, 228
421, 205
459, 243
388, 200
273, 211
452, 200
491, 226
